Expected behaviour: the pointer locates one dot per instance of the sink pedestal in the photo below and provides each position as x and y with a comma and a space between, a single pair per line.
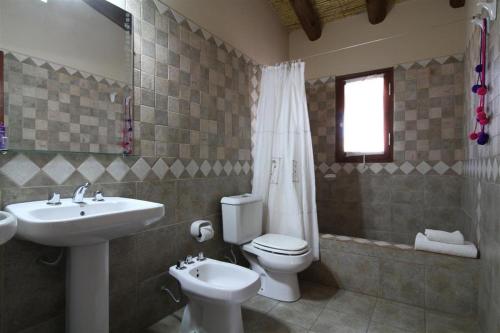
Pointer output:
85, 228
87, 289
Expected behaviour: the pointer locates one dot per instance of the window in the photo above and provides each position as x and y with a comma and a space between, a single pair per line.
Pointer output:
364, 104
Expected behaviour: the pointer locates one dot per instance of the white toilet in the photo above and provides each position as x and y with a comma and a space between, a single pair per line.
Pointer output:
215, 290
276, 258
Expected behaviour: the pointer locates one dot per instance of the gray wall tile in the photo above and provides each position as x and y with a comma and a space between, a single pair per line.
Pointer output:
427, 127
451, 291
427, 280
173, 95
402, 282
480, 192
358, 273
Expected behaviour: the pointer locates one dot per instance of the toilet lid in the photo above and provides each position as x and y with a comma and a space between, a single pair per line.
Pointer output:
281, 244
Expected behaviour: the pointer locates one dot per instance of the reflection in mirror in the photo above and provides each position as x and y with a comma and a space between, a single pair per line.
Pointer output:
68, 68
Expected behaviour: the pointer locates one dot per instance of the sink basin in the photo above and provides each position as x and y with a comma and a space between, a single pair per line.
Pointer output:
72, 224
8, 226
86, 228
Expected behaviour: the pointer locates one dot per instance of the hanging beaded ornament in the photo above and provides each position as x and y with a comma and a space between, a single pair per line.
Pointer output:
480, 88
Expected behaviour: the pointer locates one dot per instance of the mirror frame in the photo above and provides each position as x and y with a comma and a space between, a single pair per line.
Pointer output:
112, 12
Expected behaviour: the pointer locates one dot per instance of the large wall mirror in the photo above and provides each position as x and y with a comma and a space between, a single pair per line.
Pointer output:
67, 70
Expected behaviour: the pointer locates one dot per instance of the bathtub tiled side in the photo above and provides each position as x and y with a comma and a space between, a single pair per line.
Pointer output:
398, 273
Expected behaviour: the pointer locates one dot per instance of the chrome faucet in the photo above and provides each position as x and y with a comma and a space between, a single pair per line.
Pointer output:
79, 193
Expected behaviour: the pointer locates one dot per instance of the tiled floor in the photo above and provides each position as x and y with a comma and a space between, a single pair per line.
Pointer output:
326, 310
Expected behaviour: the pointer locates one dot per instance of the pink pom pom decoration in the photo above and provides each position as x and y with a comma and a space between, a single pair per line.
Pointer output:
484, 121
482, 91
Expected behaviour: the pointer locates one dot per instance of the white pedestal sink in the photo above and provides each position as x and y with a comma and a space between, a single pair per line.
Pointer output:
8, 226
86, 229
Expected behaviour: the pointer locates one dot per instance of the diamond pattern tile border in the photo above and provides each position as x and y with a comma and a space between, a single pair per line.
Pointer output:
58, 67
19, 168
487, 169
406, 167
421, 63
179, 18
325, 237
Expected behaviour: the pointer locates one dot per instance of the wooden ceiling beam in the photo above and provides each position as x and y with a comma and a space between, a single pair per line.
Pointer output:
457, 3
377, 10
308, 18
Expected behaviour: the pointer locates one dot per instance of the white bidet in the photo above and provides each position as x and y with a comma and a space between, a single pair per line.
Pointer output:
215, 290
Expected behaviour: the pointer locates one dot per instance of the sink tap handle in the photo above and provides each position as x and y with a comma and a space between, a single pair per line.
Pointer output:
54, 199
180, 265
201, 256
98, 196
189, 260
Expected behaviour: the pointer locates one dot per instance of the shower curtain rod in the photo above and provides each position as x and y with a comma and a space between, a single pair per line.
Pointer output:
284, 63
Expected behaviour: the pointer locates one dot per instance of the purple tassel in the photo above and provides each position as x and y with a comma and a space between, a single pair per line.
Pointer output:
483, 138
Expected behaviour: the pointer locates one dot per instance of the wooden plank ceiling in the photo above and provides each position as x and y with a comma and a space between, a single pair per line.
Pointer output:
328, 10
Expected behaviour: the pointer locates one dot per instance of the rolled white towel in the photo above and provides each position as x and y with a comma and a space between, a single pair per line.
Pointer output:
455, 237
422, 243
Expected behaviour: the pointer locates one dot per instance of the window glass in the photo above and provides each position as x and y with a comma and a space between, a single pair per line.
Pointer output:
364, 116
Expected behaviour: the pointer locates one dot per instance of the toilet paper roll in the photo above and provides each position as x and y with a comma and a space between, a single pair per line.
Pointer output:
206, 233
330, 176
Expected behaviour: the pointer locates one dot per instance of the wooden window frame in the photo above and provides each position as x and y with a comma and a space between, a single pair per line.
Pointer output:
387, 156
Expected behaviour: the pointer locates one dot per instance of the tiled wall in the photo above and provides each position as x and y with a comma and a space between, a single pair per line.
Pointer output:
201, 81
419, 189
399, 273
481, 190
192, 109
48, 108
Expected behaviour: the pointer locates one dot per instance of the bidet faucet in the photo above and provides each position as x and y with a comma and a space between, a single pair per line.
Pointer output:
189, 260
180, 265
79, 193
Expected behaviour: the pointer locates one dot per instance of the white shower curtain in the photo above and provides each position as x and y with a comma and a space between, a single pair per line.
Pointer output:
283, 173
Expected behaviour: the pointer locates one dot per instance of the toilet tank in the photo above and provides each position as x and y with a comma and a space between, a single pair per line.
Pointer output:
241, 218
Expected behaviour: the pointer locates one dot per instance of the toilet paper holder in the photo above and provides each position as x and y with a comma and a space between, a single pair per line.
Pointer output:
196, 229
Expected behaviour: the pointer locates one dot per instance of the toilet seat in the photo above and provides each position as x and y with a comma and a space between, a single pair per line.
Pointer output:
281, 244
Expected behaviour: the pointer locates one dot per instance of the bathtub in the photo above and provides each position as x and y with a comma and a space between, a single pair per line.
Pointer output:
397, 272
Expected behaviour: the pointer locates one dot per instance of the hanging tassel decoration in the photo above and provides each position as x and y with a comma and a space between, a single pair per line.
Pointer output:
128, 129
480, 88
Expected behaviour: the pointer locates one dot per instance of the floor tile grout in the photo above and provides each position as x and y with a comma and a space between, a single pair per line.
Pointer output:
371, 315
315, 320
317, 300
